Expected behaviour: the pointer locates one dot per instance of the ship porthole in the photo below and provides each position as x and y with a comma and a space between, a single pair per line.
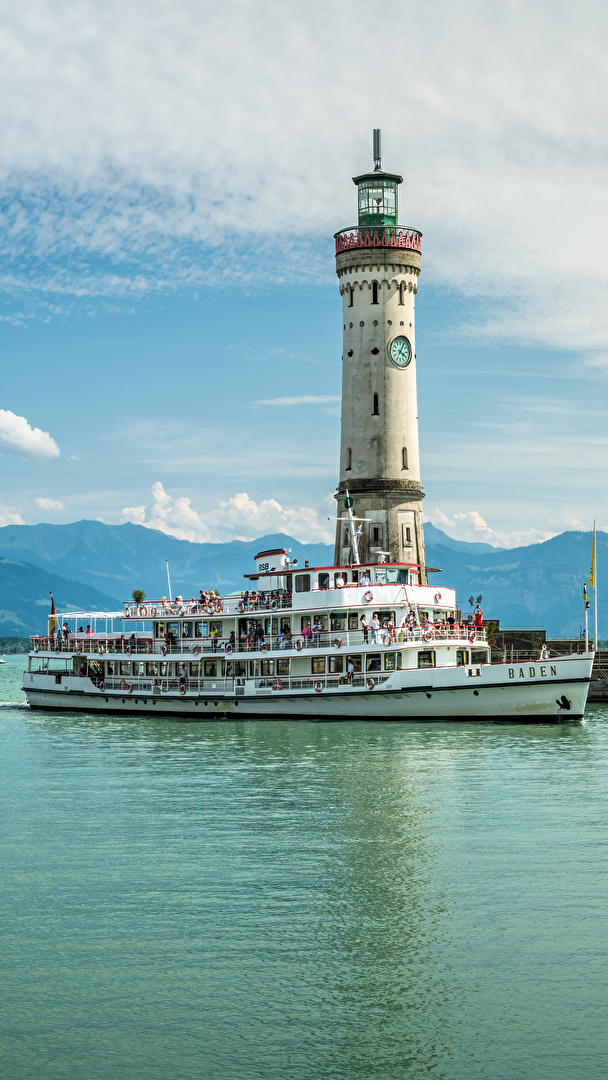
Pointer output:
206, 704
215, 703
476, 692
428, 695
123, 700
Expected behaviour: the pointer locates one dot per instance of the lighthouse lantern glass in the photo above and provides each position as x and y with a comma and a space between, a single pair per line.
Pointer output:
377, 202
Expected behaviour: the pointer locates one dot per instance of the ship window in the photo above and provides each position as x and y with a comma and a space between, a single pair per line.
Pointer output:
479, 656
322, 620
317, 665
267, 667
194, 669
389, 661
349, 458
211, 669
337, 620
404, 464
462, 657
282, 667
373, 662
152, 669
324, 581
353, 620
426, 658
336, 665
305, 621
343, 575
216, 624
356, 662
303, 583
187, 630
375, 410
374, 292
125, 667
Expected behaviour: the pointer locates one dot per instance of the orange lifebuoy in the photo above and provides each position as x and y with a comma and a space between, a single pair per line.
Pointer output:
149, 647
278, 685
368, 596
337, 643
130, 688
318, 687
437, 597
370, 684
153, 612
196, 650
299, 645
123, 684
241, 608
228, 648
386, 639
143, 609
473, 636
182, 689
102, 686
427, 635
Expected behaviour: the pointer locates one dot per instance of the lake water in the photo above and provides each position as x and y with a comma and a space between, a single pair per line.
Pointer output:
300, 901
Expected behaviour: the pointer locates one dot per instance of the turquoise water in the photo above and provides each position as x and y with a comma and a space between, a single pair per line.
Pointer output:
297, 901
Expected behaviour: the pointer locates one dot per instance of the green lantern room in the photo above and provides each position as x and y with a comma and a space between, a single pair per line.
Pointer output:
378, 197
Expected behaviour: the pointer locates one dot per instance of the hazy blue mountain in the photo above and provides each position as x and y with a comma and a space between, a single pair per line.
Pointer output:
25, 601
536, 585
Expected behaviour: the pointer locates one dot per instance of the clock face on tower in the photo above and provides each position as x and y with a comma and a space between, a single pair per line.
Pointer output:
400, 351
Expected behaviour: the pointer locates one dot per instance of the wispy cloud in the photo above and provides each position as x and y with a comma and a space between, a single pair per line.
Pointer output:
49, 504
320, 399
98, 161
17, 436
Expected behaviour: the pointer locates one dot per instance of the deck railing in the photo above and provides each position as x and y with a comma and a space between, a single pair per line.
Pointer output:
393, 236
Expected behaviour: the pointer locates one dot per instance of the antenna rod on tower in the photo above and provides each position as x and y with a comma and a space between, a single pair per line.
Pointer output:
377, 152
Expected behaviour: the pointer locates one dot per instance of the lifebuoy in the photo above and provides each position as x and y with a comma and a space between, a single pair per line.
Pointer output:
149, 646
278, 685
123, 684
35, 646
241, 608
101, 649
153, 612
182, 689
437, 597
427, 635
102, 686
299, 645
318, 687
472, 636
386, 639
337, 643
196, 650
368, 596
274, 605
143, 609
228, 648
163, 650
370, 684
218, 606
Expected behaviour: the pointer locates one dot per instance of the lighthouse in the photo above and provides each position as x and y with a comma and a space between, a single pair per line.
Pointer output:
378, 263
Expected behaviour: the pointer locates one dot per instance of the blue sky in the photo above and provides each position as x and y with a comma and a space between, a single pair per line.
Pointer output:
170, 322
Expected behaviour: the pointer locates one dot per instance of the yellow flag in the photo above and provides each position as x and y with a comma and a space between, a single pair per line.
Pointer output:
592, 571
53, 622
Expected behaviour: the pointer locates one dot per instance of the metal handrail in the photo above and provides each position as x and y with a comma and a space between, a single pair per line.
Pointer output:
391, 236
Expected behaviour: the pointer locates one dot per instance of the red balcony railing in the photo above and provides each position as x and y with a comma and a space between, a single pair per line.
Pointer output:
393, 236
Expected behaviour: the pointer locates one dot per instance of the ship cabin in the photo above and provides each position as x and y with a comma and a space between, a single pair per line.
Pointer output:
291, 627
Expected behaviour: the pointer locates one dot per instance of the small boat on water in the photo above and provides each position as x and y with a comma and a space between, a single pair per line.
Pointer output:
366, 638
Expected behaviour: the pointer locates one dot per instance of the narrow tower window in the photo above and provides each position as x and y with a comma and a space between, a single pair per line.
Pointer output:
404, 464
349, 458
376, 537
374, 292
375, 410
351, 295
401, 291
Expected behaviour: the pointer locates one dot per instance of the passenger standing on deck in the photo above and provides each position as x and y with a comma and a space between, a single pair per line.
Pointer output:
183, 677
478, 617
375, 625
365, 629
350, 671
316, 632
339, 581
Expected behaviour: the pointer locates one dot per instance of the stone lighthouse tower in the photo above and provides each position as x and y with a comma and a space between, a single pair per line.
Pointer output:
378, 263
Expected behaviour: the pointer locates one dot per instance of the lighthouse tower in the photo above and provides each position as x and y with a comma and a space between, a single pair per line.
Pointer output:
378, 263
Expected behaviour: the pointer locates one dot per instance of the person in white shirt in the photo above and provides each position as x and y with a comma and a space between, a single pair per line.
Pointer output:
339, 582
375, 626
364, 579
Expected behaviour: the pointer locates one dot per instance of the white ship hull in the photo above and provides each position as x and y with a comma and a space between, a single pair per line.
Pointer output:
552, 690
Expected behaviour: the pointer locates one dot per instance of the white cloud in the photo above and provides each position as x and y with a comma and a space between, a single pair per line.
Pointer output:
237, 518
10, 516
502, 133
49, 504
321, 399
471, 526
17, 436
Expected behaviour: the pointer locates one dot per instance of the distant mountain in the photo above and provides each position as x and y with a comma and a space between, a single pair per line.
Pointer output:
25, 601
537, 585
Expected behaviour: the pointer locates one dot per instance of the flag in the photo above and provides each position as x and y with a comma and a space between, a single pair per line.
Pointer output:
53, 622
585, 592
592, 571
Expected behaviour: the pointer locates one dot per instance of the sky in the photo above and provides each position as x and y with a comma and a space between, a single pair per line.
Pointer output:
171, 177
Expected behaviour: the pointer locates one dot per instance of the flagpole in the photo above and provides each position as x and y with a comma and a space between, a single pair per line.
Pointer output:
594, 591
586, 606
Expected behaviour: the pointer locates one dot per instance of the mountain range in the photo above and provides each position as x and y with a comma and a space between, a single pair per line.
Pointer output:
94, 566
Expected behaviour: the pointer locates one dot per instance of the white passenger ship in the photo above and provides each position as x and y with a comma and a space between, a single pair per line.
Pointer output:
292, 645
